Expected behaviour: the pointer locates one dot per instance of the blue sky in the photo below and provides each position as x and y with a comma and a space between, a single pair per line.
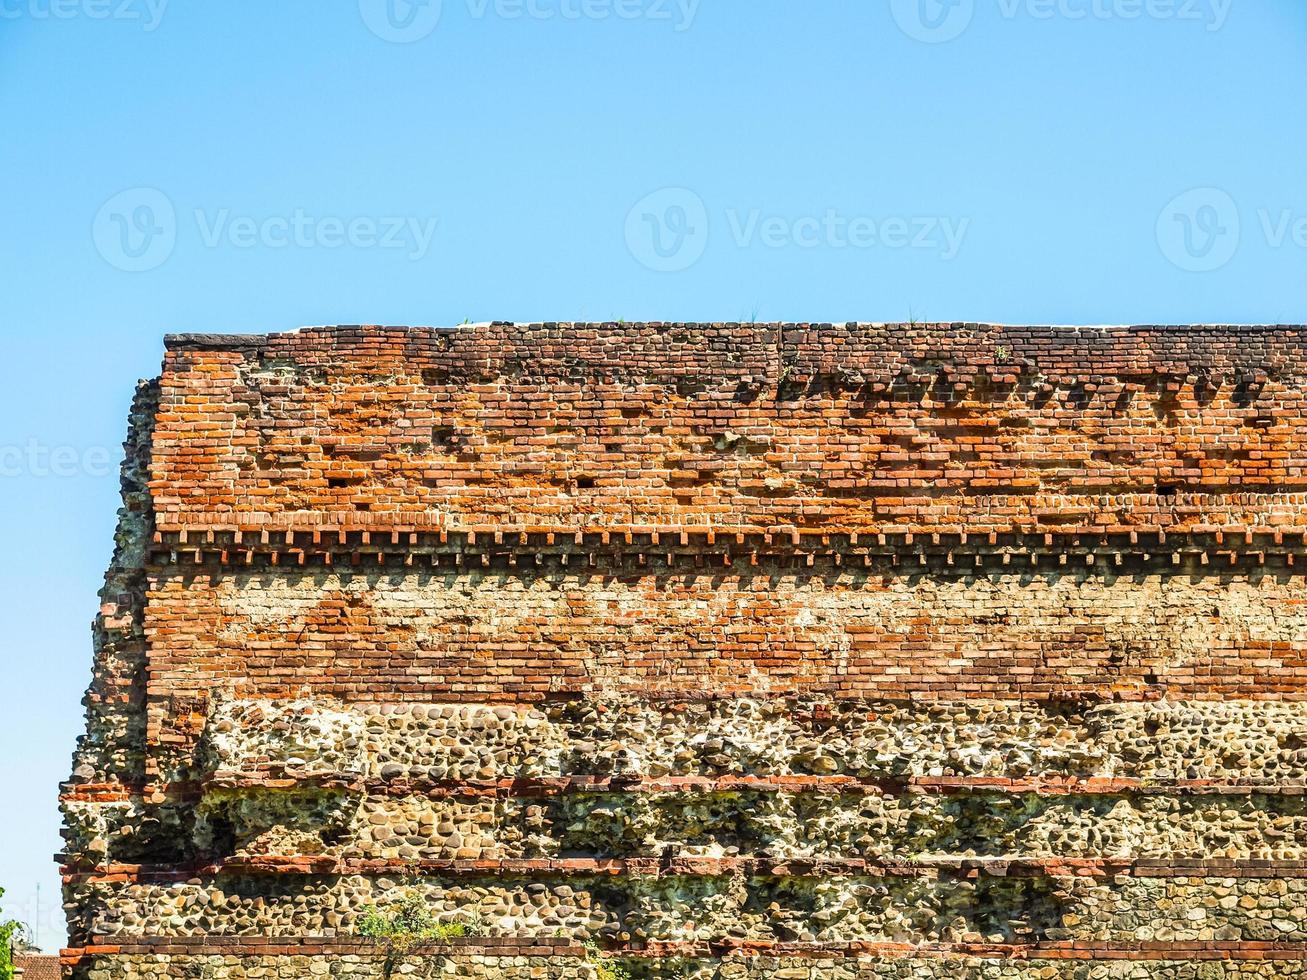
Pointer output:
256, 165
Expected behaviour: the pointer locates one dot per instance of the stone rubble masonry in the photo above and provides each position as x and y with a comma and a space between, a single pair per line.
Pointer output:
807, 651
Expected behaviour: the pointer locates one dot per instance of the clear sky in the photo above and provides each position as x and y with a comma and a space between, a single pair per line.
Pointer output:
257, 165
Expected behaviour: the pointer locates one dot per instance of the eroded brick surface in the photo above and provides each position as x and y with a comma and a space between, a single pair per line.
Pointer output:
732, 424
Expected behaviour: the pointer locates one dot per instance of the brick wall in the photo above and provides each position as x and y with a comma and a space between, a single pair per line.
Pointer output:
966, 645
526, 635
858, 426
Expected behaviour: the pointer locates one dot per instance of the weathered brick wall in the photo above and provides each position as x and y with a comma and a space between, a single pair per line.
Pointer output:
728, 425
797, 650
424, 636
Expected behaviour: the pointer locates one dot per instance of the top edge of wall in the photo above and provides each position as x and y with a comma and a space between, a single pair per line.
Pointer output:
244, 341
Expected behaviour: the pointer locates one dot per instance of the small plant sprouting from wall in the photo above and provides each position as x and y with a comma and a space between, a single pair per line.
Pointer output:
605, 969
409, 926
609, 968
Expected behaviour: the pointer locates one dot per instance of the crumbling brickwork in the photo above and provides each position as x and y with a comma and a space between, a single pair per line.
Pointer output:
801, 651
